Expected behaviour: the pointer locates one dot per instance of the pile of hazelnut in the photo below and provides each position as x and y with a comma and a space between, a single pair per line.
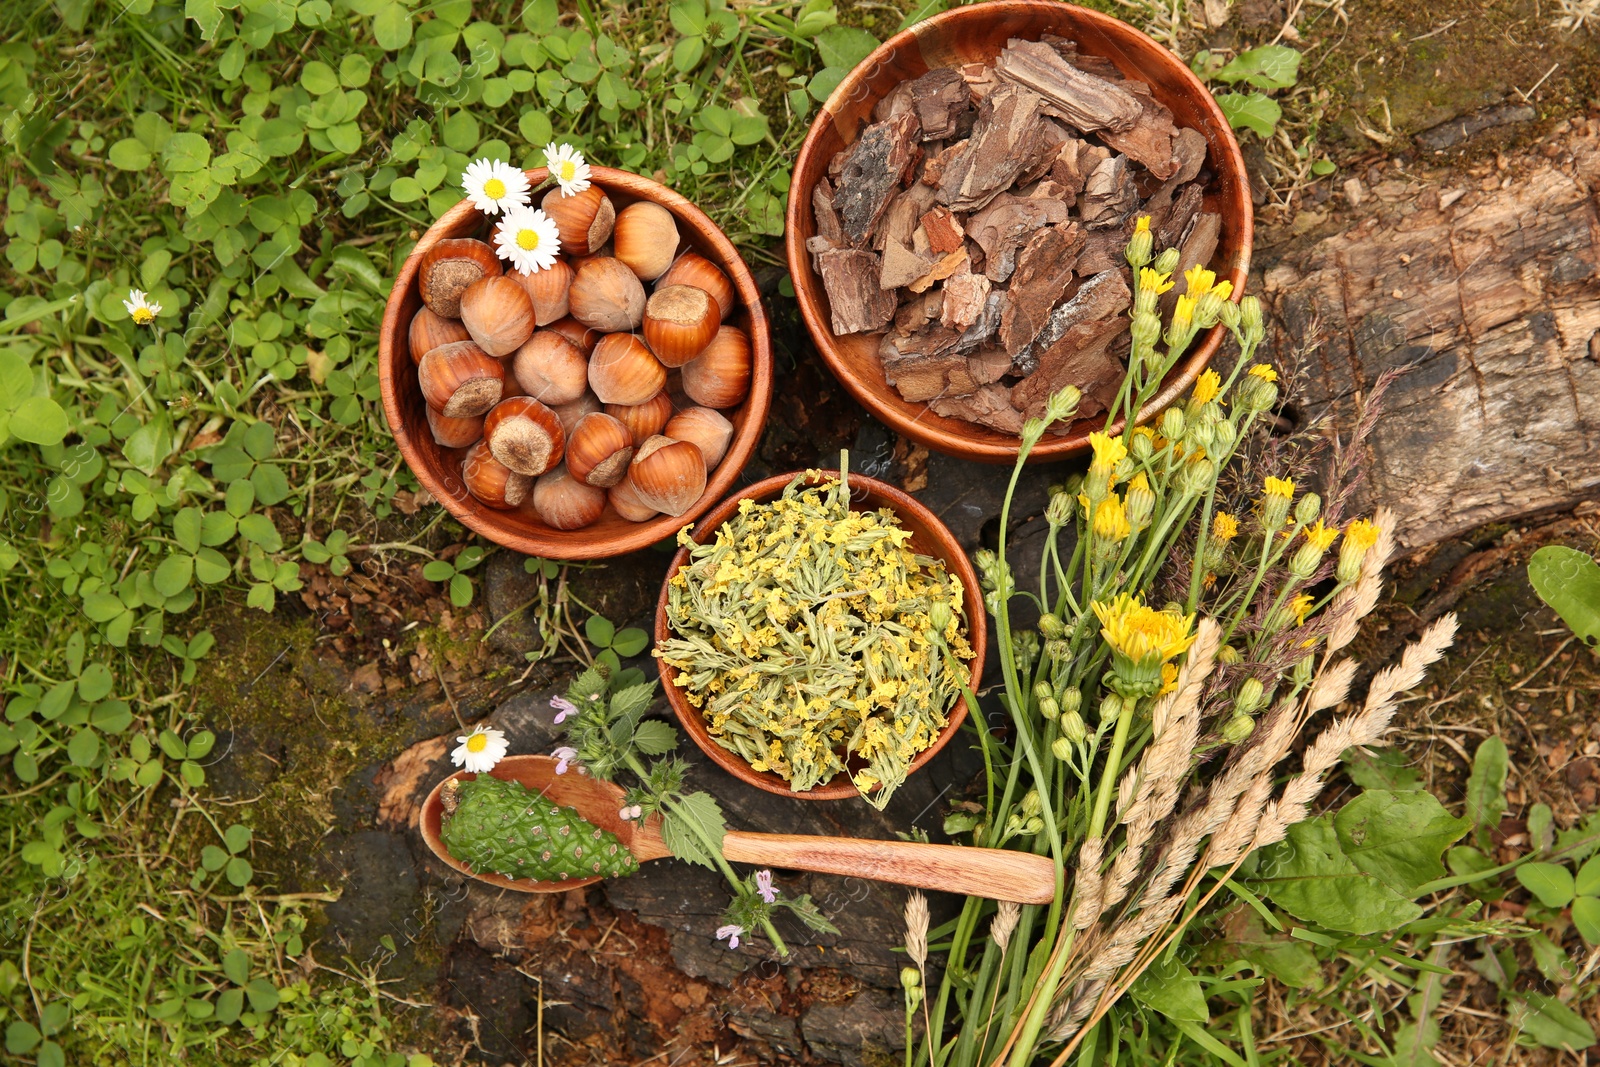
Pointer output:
570, 387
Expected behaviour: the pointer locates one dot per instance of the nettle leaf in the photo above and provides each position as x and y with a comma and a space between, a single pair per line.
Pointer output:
655, 738
1398, 837
1550, 882
1272, 66
1310, 877
1251, 111
683, 825
1569, 581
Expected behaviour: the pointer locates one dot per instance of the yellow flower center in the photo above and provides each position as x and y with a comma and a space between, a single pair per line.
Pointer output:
477, 742
569, 170
528, 239
494, 188
143, 316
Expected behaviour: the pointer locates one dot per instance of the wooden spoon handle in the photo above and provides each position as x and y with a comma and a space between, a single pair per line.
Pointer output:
995, 873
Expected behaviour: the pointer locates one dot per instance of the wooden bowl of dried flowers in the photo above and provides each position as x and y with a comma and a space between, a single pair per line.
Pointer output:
942, 567
724, 420
952, 165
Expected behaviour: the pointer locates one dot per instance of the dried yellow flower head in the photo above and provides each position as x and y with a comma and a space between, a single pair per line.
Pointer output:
1111, 520
1224, 527
1206, 387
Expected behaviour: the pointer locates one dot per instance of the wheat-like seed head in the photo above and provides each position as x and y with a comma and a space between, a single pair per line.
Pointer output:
917, 927
1088, 886
1331, 686
1356, 601
1004, 923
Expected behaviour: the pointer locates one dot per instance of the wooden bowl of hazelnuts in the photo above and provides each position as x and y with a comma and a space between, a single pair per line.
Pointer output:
590, 409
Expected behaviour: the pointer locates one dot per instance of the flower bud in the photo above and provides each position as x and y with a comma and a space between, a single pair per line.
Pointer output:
1199, 435
1058, 650
1033, 826
1059, 511
1071, 700
1073, 730
1140, 246
1223, 434
1026, 646
1049, 708
940, 617
910, 978
1061, 748
1250, 697
1172, 423
1140, 503
1031, 804
1073, 485
1231, 315
1051, 626
1146, 328
1302, 669
1304, 562
1307, 510
1141, 448
1062, 404
1227, 655
1033, 429
1167, 262
1198, 476
1237, 729
1125, 468
1209, 310
1110, 708
1250, 320
1041, 690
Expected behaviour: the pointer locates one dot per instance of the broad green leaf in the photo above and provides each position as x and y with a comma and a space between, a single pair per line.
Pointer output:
263, 995
1272, 66
200, 744
655, 738
1553, 1024
236, 965
258, 528
1552, 962
84, 748
1171, 989
438, 570
185, 153
317, 78
1541, 827
94, 683
39, 420
1550, 882
688, 823
236, 837
239, 872
844, 46
211, 566
129, 154
148, 446
213, 858
111, 716
1586, 917
1309, 876
823, 83
1289, 961
174, 574
1398, 837
1251, 111
230, 1003
21, 1036
187, 526
1486, 785
392, 26
1384, 768
1588, 881
1569, 581
354, 71
599, 631
172, 745
630, 642
461, 590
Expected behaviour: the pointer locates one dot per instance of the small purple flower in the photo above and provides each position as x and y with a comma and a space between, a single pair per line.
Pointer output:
564, 708
731, 933
764, 886
565, 755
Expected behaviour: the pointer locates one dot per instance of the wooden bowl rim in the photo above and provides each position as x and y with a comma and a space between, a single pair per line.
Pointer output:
533, 541
520, 769
945, 547
923, 425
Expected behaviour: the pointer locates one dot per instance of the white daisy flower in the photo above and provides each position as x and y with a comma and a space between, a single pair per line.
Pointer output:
494, 186
528, 238
140, 308
567, 167
480, 750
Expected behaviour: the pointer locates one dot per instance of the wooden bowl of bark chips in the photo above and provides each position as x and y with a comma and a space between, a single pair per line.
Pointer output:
960, 208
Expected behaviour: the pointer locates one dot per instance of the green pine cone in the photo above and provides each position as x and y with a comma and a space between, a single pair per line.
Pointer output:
505, 828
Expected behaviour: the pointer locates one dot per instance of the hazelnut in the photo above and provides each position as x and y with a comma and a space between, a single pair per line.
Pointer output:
569, 414
622, 370
646, 419
719, 377
460, 379
525, 435
692, 268
605, 294
498, 313
548, 290
707, 430
492, 482
679, 321
550, 368
448, 268
645, 238
668, 475
578, 334
429, 331
625, 501
562, 501
454, 433
584, 219
599, 450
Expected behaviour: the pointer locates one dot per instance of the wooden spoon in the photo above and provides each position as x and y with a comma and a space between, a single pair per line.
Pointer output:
998, 874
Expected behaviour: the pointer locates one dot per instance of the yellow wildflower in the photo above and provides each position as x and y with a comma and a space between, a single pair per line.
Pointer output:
1154, 281
1108, 449
1264, 372
1183, 314
1200, 281
1283, 487
1169, 678
1222, 290
1142, 225
1206, 387
1300, 606
1321, 536
1224, 527
1111, 520
1362, 533
1359, 536
1141, 640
